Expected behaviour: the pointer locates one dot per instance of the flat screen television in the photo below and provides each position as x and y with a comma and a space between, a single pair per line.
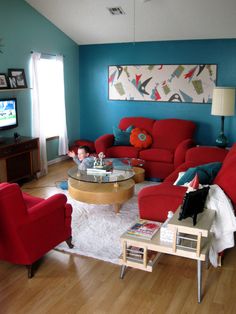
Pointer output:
8, 113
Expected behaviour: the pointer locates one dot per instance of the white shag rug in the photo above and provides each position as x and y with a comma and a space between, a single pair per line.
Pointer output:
96, 229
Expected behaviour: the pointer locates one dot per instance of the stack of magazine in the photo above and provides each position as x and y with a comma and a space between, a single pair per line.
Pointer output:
145, 229
100, 170
136, 254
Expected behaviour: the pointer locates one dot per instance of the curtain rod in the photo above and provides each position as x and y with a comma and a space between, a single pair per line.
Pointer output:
48, 54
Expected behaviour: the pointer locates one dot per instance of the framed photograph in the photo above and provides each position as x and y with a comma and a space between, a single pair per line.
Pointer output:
3, 81
192, 83
17, 78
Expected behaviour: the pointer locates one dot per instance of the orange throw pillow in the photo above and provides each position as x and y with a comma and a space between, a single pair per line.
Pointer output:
140, 138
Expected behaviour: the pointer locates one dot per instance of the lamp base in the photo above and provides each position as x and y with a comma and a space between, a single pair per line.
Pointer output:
221, 140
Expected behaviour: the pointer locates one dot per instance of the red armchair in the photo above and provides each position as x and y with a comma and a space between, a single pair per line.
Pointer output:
31, 226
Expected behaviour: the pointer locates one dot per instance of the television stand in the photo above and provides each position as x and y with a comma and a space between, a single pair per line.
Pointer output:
2, 140
19, 158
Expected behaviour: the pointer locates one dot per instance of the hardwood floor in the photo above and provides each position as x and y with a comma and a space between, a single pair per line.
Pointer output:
66, 283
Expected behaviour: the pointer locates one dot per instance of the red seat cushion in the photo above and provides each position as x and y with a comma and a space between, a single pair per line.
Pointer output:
122, 151
155, 201
157, 154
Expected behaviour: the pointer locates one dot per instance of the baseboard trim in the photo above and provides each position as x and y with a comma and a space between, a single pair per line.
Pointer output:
58, 159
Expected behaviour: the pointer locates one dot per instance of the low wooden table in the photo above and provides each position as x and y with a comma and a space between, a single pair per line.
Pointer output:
200, 234
115, 188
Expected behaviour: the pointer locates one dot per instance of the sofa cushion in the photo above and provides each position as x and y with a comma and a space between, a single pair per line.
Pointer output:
155, 201
140, 138
206, 173
168, 133
137, 122
205, 154
122, 151
122, 137
226, 178
157, 154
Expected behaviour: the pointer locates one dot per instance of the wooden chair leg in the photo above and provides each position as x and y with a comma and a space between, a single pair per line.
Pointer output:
69, 242
30, 271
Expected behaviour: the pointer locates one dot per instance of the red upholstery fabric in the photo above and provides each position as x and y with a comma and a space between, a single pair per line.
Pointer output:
79, 143
103, 143
198, 156
31, 226
155, 169
172, 138
155, 202
181, 150
137, 122
122, 151
157, 154
226, 177
205, 154
168, 133
184, 167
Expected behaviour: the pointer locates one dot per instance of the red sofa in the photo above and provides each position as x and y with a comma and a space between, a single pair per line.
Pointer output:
31, 226
170, 140
155, 201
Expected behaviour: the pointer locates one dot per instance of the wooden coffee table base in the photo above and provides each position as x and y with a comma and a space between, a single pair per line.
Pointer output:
102, 193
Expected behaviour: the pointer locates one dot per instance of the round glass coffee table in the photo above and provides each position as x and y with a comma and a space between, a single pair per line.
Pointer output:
136, 164
114, 187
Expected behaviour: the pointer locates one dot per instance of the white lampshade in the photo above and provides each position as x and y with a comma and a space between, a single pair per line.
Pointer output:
223, 101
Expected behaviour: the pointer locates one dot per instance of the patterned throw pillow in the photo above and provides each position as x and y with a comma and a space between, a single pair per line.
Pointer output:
140, 138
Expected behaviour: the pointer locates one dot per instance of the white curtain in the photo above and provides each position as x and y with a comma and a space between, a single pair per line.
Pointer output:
40, 107
63, 138
37, 113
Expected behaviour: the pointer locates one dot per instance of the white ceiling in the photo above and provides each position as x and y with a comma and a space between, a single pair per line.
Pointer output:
89, 21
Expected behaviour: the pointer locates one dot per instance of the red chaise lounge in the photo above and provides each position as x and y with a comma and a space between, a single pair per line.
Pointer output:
155, 201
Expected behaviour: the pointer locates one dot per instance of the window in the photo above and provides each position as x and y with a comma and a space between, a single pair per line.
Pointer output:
48, 102
50, 94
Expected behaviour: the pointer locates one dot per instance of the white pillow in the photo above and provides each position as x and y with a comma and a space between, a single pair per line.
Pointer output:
179, 176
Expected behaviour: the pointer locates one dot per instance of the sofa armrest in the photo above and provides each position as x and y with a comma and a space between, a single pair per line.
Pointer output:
180, 152
103, 142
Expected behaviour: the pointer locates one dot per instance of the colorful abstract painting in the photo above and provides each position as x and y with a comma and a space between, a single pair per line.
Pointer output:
171, 83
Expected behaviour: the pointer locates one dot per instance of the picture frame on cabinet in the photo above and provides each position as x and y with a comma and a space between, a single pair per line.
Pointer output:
17, 78
3, 81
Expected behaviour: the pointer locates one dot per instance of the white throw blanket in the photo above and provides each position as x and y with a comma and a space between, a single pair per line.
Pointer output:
224, 223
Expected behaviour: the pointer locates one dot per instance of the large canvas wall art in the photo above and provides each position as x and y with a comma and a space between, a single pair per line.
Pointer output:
170, 83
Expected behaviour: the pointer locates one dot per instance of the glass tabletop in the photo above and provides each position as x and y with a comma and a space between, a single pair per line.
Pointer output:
116, 175
125, 163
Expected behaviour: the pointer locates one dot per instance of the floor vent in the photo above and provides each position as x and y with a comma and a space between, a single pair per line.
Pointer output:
116, 11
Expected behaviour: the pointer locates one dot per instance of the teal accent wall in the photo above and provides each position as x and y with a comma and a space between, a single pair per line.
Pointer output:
98, 114
23, 30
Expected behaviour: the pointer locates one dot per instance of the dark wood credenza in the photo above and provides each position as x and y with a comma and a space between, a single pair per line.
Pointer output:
19, 158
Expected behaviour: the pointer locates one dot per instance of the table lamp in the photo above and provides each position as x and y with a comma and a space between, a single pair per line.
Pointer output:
223, 103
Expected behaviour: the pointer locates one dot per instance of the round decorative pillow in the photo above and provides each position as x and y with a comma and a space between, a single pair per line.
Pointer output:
140, 138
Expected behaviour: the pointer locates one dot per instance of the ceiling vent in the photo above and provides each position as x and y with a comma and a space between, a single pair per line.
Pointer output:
116, 11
